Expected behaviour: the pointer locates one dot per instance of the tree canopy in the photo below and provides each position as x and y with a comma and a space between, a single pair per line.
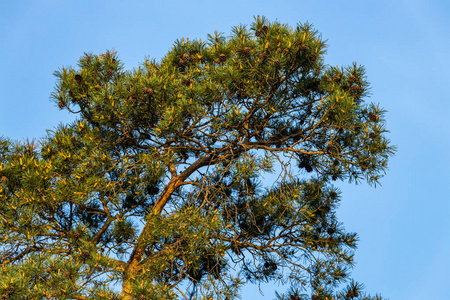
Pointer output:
192, 176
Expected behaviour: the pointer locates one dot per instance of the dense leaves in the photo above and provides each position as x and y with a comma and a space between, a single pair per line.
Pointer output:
191, 176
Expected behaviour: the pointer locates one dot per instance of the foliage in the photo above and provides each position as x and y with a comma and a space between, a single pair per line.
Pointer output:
193, 176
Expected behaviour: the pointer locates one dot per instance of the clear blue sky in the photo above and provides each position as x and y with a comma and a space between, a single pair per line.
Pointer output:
404, 225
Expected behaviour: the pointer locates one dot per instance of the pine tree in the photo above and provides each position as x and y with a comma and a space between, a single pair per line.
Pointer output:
195, 175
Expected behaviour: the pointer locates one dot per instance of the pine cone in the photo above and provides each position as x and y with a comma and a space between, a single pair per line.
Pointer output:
314, 297
4, 179
352, 79
373, 117
356, 89
109, 72
78, 78
222, 57
264, 29
373, 135
313, 56
61, 104
185, 56
263, 55
181, 62
217, 61
276, 62
147, 91
247, 50
67, 274
303, 47
85, 254
258, 32
286, 51
133, 96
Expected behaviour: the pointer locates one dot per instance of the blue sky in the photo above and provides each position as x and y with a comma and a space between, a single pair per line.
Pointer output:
403, 225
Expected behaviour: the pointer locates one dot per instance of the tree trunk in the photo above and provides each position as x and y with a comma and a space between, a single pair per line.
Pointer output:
132, 267
130, 273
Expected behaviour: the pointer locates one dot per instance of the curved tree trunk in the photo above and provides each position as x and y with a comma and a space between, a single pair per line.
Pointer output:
132, 268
